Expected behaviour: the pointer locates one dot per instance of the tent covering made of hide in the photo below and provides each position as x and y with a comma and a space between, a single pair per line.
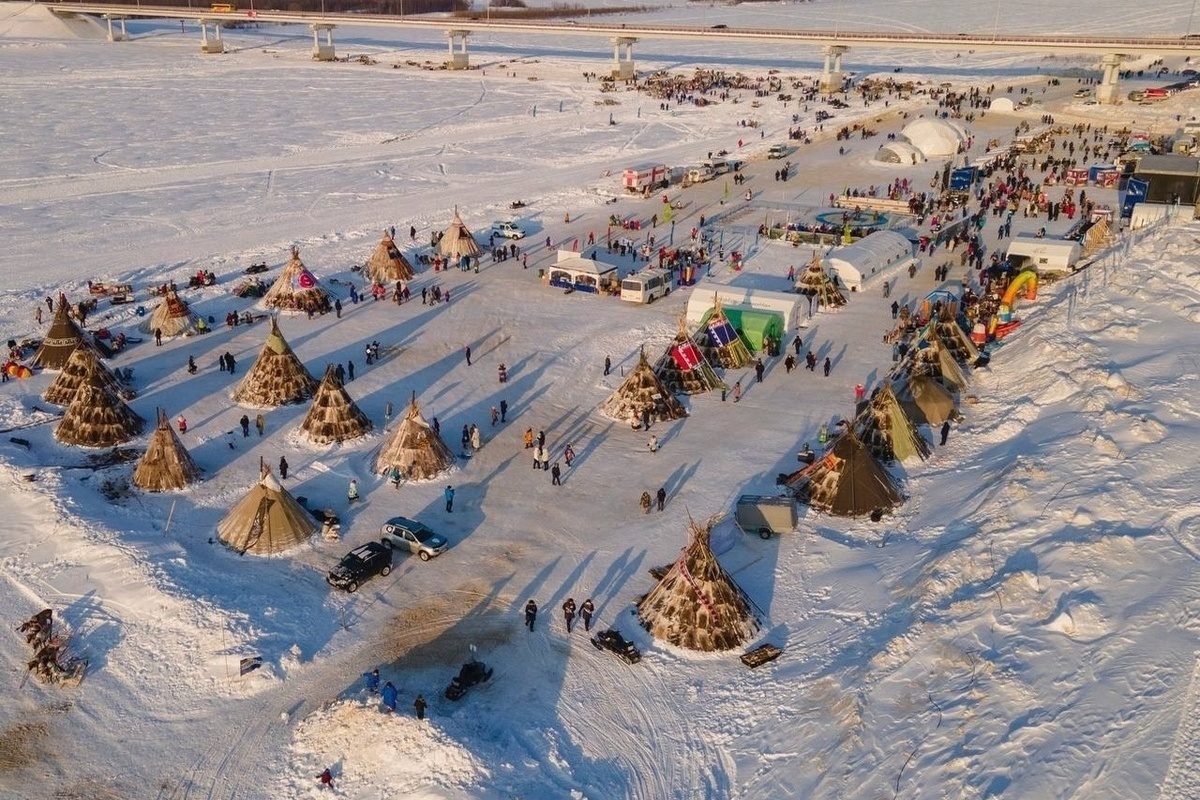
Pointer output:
387, 264
333, 415
683, 369
98, 417
61, 340
457, 242
641, 391
846, 481
84, 365
414, 449
297, 289
697, 604
277, 376
172, 316
166, 464
885, 428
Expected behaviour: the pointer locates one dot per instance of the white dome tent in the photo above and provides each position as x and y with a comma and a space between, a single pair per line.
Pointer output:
898, 152
869, 256
936, 138
1002, 105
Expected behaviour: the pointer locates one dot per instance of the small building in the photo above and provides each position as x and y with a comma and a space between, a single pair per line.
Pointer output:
582, 272
869, 256
1173, 178
1026, 251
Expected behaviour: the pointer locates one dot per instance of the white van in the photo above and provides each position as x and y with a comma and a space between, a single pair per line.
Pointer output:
646, 286
701, 174
719, 166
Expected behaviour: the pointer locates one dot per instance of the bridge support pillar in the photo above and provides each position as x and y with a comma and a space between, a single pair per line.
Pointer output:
832, 78
210, 44
114, 36
323, 51
623, 68
1109, 90
459, 59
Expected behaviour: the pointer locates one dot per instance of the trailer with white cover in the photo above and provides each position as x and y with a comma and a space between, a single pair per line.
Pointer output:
871, 255
1026, 251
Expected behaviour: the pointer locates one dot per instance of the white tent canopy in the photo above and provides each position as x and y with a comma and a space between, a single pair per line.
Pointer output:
898, 152
936, 138
868, 257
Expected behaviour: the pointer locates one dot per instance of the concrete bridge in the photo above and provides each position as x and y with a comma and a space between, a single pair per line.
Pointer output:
834, 44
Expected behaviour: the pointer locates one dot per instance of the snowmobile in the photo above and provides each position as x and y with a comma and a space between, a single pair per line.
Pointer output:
472, 672
613, 641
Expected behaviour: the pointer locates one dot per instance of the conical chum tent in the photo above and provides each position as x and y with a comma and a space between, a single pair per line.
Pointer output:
172, 317
721, 340
683, 369
846, 482
297, 289
97, 417
643, 391
333, 416
83, 366
414, 449
697, 604
61, 340
926, 401
166, 464
267, 520
277, 376
387, 264
885, 428
815, 283
457, 242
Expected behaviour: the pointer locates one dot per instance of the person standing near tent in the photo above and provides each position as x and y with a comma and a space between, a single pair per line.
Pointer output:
337, 307
568, 608
229, 362
530, 614
449, 497
283, 467
759, 368
860, 392
419, 706
476, 440
895, 308
653, 443
260, 422
737, 391
245, 422
585, 613
389, 693
191, 367
37, 314
352, 490
797, 343
503, 411
465, 439
607, 365
182, 424
350, 370
945, 432
828, 366
157, 331
646, 502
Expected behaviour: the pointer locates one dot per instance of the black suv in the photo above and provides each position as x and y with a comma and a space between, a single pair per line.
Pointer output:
373, 558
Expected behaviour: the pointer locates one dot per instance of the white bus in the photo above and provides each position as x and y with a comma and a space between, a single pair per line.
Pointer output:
646, 286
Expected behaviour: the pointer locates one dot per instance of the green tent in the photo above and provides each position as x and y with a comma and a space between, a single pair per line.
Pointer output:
754, 326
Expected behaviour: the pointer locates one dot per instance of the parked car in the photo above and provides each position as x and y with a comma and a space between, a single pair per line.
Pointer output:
509, 230
402, 533
1083, 92
360, 564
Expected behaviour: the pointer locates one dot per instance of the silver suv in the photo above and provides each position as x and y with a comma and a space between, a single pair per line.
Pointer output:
402, 533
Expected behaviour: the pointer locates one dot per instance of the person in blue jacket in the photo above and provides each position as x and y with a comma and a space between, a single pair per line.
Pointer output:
449, 495
372, 680
389, 693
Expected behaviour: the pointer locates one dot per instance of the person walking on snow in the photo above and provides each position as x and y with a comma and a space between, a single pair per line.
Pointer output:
352, 491
555, 475
569, 612
245, 420
758, 370
585, 613
607, 365
182, 424
737, 391
467, 352
419, 705
260, 422
568, 455
350, 370
945, 432
476, 441
495, 416
797, 343
326, 777
283, 467
528, 438
646, 502
449, 496
503, 411
388, 694
662, 497
860, 392
466, 436
653, 443
828, 366
530, 614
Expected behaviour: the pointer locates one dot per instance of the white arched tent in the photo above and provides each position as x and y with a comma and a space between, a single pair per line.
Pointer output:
869, 256
1002, 105
897, 152
936, 138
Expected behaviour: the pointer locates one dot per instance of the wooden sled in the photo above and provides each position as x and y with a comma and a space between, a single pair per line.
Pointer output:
761, 655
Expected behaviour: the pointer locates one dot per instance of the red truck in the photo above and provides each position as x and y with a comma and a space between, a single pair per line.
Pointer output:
645, 178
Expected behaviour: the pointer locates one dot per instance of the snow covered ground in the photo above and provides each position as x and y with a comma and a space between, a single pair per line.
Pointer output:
1024, 626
